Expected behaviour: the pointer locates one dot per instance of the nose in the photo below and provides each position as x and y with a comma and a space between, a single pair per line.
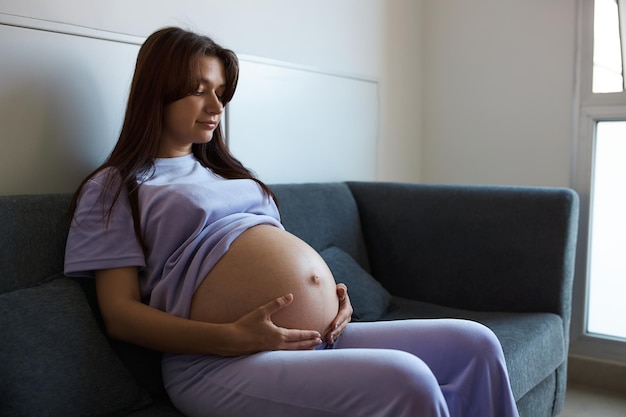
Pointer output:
213, 104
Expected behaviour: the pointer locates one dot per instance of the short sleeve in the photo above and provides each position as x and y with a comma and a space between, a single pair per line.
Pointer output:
98, 241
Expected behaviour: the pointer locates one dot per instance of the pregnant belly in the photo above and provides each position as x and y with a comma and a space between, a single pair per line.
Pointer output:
262, 264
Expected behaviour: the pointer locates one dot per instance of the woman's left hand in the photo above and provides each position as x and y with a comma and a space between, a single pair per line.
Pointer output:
344, 315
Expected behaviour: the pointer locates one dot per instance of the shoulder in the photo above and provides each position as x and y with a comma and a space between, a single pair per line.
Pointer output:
103, 188
106, 178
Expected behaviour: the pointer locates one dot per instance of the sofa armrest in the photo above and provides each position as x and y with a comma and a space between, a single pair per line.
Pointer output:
483, 248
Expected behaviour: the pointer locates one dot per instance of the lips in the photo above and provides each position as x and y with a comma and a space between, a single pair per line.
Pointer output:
207, 124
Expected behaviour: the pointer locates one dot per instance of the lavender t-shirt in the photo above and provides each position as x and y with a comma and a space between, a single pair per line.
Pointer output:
189, 217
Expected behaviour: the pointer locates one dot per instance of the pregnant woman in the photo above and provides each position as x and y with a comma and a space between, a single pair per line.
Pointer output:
190, 258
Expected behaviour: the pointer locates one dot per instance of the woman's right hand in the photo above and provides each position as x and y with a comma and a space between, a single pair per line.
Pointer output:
256, 332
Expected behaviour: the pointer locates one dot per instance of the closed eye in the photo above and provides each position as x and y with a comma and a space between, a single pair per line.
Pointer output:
200, 93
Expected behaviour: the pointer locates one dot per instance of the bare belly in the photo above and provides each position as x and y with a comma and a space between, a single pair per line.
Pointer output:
262, 264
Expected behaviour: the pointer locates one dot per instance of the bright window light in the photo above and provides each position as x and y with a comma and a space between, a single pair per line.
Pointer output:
607, 284
607, 48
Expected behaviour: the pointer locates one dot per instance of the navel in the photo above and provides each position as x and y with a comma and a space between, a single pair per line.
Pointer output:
315, 279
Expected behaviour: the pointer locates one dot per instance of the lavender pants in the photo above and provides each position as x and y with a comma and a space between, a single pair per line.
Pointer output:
417, 368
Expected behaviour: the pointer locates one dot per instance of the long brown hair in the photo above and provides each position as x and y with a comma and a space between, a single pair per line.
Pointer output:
166, 71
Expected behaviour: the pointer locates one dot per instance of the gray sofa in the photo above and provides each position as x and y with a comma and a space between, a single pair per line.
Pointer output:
503, 256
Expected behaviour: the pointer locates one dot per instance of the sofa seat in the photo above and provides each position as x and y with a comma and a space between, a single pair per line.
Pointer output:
522, 335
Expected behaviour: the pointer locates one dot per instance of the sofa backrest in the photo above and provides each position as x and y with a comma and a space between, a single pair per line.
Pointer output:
33, 230
472, 247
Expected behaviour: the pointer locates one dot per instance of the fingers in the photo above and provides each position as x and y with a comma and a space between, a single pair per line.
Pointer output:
272, 337
342, 294
343, 316
336, 331
300, 339
279, 338
277, 304
342, 290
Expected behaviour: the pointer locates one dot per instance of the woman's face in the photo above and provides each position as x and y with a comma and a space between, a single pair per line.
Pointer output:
194, 118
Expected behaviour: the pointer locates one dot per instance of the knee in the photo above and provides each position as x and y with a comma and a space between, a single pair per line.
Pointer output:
480, 341
410, 380
408, 369
396, 383
484, 337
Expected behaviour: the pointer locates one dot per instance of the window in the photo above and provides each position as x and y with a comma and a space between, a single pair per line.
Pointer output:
607, 233
607, 48
599, 176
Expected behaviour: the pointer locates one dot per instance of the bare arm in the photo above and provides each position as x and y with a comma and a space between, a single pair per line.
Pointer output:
127, 318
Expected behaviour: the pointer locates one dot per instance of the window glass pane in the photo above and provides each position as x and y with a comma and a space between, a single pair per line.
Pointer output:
607, 273
607, 49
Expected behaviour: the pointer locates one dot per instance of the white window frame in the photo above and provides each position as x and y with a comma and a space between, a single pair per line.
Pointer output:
589, 108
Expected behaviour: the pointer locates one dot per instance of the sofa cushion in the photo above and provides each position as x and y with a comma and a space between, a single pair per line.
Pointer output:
369, 299
54, 360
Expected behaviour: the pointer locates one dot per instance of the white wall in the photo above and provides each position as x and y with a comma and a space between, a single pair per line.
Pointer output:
471, 91
341, 35
498, 91
344, 37
400, 150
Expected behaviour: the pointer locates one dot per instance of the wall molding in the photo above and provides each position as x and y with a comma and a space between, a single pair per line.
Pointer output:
88, 32
68, 29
